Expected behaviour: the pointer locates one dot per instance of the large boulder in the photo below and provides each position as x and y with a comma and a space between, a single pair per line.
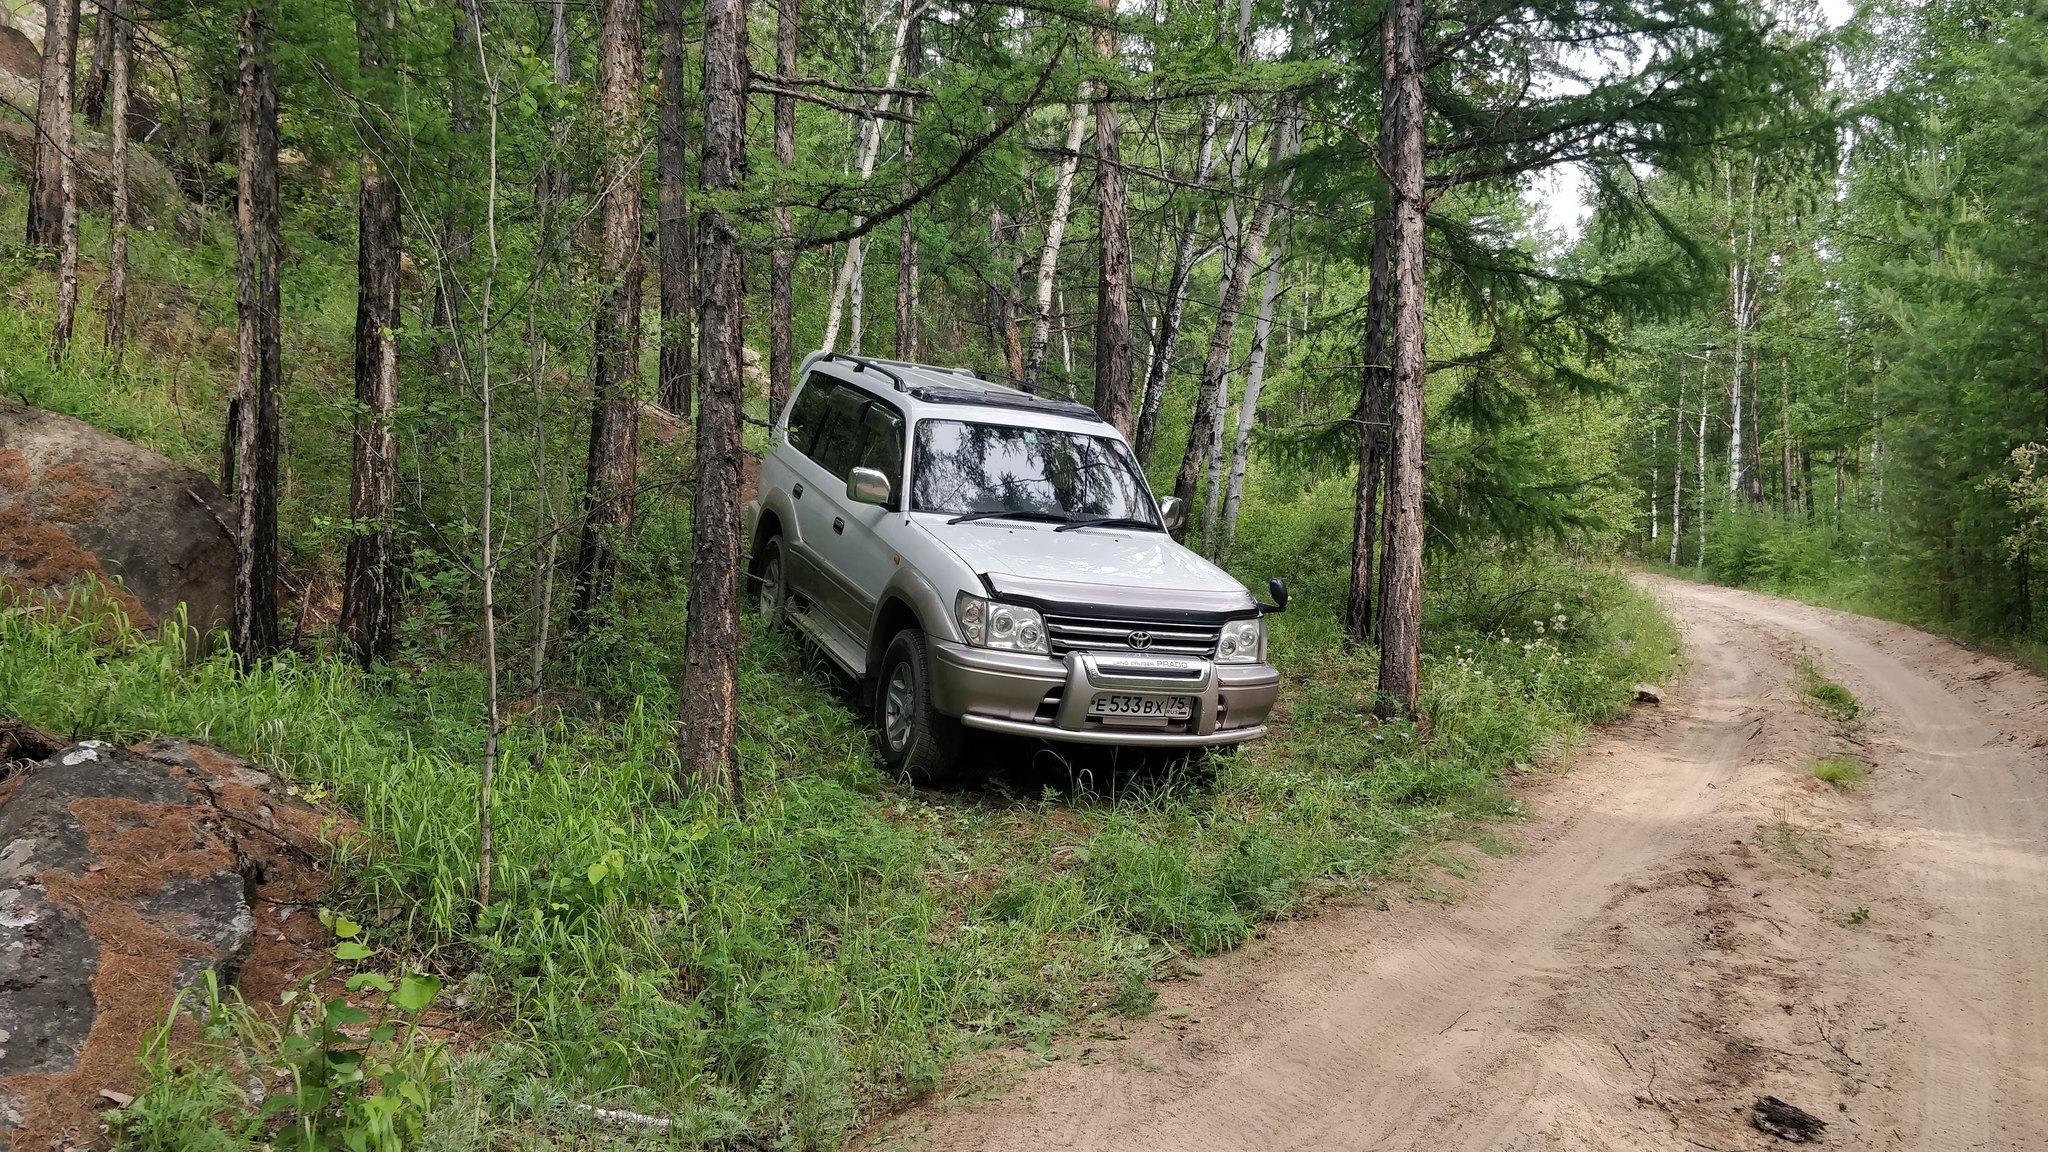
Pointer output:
82, 509
126, 875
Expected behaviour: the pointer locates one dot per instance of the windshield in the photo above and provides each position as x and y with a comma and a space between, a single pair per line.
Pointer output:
961, 468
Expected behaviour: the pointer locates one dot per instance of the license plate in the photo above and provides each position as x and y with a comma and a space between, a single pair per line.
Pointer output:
1132, 706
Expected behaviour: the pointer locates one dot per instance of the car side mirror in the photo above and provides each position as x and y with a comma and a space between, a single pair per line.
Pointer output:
1277, 589
1173, 512
867, 486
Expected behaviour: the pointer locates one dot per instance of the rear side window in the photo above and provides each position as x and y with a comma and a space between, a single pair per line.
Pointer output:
838, 442
807, 414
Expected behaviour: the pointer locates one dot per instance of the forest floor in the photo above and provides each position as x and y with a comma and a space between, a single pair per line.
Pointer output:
1694, 919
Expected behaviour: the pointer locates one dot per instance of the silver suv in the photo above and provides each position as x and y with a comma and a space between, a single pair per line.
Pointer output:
976, 553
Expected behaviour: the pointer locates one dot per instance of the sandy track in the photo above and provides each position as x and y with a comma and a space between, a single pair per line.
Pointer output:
1691, 921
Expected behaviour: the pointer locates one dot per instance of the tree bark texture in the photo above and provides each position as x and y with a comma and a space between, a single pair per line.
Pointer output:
613, 461
782, 261
1055, 235
1113, 243
1401, 572
258, 349
119, 83
53, 125
369, 591
672, 201
709, 710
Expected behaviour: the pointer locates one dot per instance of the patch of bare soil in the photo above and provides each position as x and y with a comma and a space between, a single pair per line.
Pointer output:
1697, 945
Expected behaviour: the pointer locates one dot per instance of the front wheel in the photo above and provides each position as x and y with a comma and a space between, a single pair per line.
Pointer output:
916, 740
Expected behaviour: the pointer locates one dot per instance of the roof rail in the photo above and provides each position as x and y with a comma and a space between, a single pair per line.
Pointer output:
862, 364
1009, 381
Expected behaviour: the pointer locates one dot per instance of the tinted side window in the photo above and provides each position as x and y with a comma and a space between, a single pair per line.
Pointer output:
807, 414
838, 442
881, 445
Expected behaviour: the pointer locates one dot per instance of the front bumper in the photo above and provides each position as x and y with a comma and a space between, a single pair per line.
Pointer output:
1048, 697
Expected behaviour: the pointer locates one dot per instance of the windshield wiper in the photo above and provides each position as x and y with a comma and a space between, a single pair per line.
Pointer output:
1107, 522
1009, 514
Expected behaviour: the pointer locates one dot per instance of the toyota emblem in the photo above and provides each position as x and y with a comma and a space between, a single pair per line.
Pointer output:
1139, 640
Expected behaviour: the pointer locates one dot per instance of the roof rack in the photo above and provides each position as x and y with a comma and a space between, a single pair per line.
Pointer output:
1028, 389
862, 364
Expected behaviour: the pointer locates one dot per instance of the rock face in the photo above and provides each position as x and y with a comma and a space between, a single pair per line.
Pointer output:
80, 507
125, 876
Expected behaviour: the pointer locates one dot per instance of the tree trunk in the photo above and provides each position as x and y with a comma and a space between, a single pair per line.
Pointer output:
1113, 294
1753, 465
455, 239
92, 99
67, 252
613, 462
119, 83
560, 183
52, 156
258, 349
1216, 368
1401, 574
906, 236
1255, 371
1055, 235
1168, 340
709, 754
369, 593
1002, 296
864, 161
673, 210
782, 261
1372, 418
1678, 470
1785, 434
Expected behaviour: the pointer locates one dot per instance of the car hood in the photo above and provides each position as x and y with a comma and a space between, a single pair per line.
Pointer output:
1090, 565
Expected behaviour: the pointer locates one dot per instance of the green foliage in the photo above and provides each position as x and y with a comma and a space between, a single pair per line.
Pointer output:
339, 1076
781, 973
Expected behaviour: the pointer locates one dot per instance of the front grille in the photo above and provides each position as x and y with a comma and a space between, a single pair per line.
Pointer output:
1098, 634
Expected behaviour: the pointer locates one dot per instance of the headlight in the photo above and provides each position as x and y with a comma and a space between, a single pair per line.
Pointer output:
1242, 642
991, 624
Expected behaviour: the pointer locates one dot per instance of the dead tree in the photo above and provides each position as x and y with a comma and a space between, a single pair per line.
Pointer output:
369, 591
613, 461
258, 348
906, 237
709, 710
1374, 381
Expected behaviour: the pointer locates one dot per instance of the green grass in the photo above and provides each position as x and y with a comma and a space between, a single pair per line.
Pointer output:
783, 973
1841, 771
1829, 698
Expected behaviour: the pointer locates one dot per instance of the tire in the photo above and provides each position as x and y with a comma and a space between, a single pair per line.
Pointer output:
770, 582
916, 740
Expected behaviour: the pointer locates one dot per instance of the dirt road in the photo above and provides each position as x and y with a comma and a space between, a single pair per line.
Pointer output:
1691, 921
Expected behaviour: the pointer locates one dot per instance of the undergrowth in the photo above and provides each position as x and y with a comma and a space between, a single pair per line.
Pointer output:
783, 973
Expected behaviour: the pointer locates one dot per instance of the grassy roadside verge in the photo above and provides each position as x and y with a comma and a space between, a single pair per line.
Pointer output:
779, 976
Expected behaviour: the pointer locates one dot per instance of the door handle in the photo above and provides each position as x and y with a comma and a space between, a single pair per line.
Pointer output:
797, 493
839, 525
